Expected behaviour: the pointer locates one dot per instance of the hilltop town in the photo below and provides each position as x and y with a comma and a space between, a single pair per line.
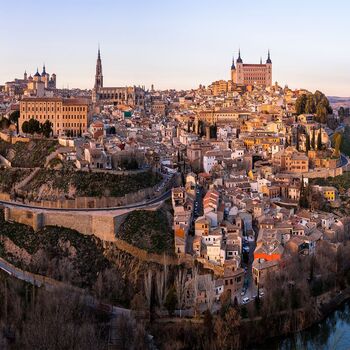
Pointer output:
229, 202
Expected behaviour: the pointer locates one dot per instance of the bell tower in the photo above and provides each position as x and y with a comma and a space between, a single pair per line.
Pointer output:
233, 71
98, 76
268, 75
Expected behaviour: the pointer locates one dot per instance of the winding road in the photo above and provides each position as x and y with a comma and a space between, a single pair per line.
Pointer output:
143, 204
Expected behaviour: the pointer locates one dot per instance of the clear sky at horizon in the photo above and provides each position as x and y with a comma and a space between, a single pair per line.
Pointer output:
177, 44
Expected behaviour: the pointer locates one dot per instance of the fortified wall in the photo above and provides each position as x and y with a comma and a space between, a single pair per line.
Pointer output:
102, 226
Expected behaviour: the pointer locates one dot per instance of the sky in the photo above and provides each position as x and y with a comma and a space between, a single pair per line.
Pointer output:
177, 43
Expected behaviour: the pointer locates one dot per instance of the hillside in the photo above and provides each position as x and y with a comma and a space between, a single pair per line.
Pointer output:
11, 177
149, 230
67, 182
28, 154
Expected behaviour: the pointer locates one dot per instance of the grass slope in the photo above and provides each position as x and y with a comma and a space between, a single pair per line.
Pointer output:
10, 177
28, 154
148, 230
92, 184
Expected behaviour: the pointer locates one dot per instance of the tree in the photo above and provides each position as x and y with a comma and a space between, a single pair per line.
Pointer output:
337, 139
5, 123
310, 107
307, 142
161, 284
341, 111
319, 139
14, 116
148, 287
46, 128
180, 286
25, 127
300, 104
303, 200
213, 131
34, 126
321, 113
297, 139
171, 301
313, 139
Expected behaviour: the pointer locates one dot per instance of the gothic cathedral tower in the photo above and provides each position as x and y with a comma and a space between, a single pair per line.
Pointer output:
233, 71
268, 78
98, 76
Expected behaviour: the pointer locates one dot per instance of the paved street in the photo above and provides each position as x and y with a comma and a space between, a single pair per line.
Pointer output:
251, 291
143, 204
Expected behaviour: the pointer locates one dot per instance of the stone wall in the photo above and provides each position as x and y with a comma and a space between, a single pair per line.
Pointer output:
5, 196
13, 139
323, 173
102, 225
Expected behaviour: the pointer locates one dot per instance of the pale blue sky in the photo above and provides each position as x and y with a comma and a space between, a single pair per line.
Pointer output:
179, 43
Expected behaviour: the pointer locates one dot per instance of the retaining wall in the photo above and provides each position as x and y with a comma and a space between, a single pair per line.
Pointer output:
102, 226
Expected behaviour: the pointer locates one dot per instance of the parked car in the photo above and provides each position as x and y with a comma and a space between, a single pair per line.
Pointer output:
243, 291
245, 300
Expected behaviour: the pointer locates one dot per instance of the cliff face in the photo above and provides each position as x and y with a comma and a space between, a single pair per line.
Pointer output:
114, 271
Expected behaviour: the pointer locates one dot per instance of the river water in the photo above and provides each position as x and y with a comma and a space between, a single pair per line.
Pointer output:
333, 333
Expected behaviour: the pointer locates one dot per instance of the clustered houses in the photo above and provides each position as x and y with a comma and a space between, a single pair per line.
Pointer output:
242, 155
183, 205
253, 158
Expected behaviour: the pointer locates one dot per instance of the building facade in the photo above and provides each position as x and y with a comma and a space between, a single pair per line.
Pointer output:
251, 74
68, 116
39, 85
130, 95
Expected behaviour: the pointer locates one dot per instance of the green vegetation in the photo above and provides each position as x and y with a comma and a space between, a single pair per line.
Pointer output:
55, 163
148, 230
14, 116
33, 126
57, 179
341, 182
27, 154
98, 184
91, 184
4, 123
10, 177
316, 103
345, 141
343, 112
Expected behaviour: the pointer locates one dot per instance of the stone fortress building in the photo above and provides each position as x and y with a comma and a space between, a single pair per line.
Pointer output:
250, 74
38, 85
130, 95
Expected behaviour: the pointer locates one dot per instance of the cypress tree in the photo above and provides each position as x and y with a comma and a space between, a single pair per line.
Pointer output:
307, 142
319, 140
313, 139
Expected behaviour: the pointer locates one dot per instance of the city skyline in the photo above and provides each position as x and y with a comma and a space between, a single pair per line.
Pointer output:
174, 45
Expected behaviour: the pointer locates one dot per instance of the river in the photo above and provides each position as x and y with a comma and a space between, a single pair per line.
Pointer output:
333, 333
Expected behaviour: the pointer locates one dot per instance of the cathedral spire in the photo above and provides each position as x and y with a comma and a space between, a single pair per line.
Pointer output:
268, 57
98, 76
239, 59
233, 62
